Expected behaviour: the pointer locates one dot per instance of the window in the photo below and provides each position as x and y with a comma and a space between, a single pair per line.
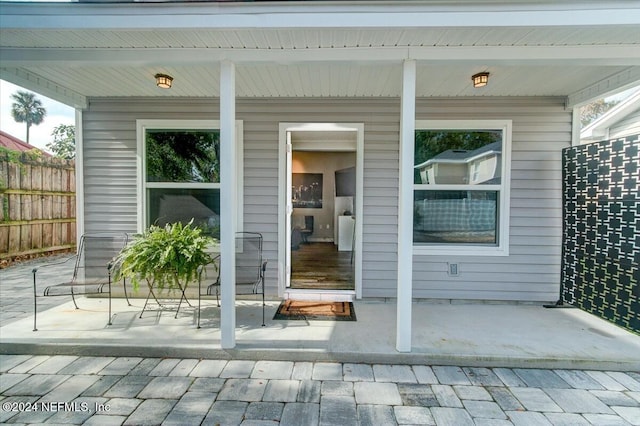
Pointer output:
461, 187
179, 166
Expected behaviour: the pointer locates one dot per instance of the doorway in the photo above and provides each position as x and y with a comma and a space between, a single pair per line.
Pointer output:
320, 208
322, 222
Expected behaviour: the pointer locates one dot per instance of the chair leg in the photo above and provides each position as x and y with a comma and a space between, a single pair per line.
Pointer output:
74, 299
109, 322
263, 305
124, 285
147, 300
35, 303
199, 305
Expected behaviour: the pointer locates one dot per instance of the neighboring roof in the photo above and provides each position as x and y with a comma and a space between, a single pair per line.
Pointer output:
15, 144
463, 156
598, 128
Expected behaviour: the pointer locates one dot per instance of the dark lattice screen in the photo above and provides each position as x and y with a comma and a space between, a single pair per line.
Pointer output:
601, 237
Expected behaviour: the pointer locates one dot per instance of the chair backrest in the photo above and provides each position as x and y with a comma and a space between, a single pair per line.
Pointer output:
248, 258
308, 223
95, 251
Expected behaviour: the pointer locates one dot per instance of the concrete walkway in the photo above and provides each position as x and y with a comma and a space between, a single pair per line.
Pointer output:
472, 364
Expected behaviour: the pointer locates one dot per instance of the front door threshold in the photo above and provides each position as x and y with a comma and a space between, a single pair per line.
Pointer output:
320, 295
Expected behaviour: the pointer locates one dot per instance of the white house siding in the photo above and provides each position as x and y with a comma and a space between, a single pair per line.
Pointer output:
531, 272
627, 127
541, 128
110, 167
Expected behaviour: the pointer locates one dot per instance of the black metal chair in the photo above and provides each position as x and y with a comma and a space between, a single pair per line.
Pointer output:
250, 271
308, 229
91, 271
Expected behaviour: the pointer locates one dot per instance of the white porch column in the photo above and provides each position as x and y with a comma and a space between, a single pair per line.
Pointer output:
79, 160
227, 204
405, 207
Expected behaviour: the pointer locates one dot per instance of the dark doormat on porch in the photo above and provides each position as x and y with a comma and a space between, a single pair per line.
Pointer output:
322, 311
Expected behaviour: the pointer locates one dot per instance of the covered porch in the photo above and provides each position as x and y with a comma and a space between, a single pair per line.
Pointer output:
443, 333
102, 59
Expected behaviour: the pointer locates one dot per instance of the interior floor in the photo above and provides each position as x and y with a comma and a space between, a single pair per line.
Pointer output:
320, 266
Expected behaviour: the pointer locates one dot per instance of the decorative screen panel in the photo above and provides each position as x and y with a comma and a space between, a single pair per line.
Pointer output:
601, 250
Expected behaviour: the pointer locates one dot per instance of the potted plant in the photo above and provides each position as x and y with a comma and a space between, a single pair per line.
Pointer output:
168, 257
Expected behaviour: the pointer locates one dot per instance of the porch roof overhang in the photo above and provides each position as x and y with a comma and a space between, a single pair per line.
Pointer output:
75, 51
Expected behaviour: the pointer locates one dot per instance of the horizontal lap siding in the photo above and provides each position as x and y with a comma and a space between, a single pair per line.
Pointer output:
261, 119
541, 128
109, 141
110, 167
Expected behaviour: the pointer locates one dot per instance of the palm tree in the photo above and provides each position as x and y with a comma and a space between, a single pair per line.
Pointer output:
27, 109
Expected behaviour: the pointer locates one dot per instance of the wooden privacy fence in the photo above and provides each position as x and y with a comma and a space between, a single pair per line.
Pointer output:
38, 205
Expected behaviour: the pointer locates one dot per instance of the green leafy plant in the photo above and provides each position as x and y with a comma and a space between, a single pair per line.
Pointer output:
169, 257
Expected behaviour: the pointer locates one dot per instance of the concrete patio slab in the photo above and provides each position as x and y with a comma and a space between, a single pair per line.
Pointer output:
471, 334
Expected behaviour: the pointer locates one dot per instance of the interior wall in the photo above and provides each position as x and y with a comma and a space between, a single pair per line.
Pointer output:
326, 163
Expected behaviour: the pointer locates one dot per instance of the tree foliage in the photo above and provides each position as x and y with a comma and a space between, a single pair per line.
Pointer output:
28, 109
183, 156
64, 142
594, 110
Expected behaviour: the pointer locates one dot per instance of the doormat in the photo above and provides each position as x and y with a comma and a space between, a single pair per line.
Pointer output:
321, 311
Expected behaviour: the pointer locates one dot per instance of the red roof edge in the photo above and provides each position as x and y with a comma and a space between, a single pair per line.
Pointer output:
15, 144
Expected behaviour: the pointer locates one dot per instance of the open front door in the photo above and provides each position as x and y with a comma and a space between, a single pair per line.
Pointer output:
311, 137
288, 213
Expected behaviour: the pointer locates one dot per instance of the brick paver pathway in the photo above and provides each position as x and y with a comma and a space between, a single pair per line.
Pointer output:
136, 391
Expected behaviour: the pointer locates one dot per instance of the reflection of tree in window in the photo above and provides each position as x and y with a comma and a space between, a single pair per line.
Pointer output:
183, 156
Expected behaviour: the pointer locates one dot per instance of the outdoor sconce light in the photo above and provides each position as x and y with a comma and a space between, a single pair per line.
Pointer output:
480, 80
164, 81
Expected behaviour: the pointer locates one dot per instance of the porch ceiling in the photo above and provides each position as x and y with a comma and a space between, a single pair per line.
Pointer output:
64, 59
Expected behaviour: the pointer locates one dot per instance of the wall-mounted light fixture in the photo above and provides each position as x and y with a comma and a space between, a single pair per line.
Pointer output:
164, 81
481, 79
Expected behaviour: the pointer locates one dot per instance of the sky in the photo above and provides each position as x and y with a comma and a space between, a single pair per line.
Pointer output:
40, 135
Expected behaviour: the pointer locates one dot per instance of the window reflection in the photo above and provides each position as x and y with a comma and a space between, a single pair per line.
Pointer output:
455, 217
454, 157
183, 156
170, 205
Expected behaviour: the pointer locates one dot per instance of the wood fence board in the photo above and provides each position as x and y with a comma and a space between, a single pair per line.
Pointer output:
46, 178
25, 237
36, 178
13, 176
4, 180
47, 234
14, 207
33, 192
4, 239
72, 180
25, 177
14, 239
36, 235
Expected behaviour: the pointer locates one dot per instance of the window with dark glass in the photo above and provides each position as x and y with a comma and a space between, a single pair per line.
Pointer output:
182, 181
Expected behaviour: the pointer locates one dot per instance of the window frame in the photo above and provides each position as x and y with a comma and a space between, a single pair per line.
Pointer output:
501, 248
142, 125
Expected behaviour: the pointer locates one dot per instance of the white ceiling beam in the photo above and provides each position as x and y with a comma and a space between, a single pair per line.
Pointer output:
610, 55
44, 87
314, 15
613, 84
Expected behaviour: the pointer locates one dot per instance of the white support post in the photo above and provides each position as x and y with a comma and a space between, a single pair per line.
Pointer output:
405, 207
227, 204
79, 167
